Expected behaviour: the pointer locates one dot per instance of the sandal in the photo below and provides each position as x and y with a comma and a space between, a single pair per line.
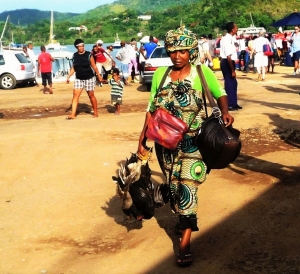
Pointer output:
184, 259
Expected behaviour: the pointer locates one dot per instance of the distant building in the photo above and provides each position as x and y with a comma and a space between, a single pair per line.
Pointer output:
81, 28
144, 17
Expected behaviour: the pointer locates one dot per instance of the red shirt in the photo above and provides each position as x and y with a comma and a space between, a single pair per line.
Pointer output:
100, 57
45, 62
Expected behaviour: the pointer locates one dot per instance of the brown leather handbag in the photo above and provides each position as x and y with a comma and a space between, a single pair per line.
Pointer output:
164, 128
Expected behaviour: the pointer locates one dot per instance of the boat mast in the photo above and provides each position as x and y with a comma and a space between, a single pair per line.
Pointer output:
3, 31
51, 28
252, 25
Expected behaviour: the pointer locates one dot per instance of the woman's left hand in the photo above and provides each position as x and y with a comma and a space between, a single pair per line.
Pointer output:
227, 119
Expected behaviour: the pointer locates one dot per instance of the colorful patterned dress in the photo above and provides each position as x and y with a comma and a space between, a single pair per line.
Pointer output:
183, 167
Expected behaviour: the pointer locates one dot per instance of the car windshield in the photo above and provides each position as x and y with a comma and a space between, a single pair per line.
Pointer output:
22, 59
159, 53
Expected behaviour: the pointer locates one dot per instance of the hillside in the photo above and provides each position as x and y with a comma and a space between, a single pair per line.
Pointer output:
23, 17
136, 7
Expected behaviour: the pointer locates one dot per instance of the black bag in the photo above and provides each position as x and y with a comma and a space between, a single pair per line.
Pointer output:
218, 145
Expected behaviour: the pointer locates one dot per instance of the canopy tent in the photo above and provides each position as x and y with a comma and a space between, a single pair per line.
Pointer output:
291, 20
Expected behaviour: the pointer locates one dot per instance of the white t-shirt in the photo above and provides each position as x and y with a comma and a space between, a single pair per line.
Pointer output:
132, 51
123, 55
242, 44
227, 47
32, 57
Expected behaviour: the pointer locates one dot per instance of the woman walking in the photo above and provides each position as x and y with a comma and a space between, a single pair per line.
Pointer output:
260, 60
295, 48
181, 95
85, 68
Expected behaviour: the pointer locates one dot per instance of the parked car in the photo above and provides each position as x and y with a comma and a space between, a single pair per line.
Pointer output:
15, 68
158, 58
217, 48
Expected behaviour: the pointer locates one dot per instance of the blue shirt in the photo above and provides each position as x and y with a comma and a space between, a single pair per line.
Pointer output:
149, 47
296, 42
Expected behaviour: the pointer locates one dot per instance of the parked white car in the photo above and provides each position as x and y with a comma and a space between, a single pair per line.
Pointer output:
158, 58
15, 68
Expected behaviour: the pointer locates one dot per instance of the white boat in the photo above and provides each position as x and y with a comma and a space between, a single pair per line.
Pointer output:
117, 43
53, 44
252, 30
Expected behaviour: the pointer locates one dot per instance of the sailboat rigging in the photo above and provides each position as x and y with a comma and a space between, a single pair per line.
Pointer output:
53, 44
117, 43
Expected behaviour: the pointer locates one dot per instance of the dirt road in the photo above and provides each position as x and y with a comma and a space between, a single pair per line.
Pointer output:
59, 211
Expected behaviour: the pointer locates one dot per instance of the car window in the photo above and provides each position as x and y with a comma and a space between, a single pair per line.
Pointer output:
2, 62
159, 53
21, 57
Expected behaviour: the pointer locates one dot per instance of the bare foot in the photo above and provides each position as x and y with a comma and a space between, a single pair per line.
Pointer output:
70, 118
95, 115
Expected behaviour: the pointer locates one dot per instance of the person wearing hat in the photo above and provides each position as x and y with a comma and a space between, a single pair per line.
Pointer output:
84, 68
261, 60
123, 56
102, 61
181, 94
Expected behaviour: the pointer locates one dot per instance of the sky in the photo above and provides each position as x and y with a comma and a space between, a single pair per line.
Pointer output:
76, 6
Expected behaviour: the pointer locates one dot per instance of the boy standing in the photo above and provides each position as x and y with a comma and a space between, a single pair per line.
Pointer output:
116, 90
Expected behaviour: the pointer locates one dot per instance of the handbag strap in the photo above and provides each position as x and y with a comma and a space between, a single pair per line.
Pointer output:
207, 93
163, 79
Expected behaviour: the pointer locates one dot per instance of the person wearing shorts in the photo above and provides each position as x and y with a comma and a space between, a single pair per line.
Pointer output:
124, 56
84, 68
116, 90
45, 68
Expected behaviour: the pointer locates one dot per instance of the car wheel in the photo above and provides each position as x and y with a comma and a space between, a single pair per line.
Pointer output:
32, 83
7, 81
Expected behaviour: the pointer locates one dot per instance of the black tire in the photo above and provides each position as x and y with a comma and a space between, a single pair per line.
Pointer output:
31, 83
7, 81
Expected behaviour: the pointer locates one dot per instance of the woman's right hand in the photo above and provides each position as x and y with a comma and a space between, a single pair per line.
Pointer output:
141, 149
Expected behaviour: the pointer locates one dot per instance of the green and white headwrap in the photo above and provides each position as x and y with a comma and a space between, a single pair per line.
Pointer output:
182, 39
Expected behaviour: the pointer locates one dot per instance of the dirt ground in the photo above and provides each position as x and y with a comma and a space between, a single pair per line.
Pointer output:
60, 214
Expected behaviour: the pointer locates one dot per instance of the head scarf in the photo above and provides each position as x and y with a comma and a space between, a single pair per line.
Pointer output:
182, 39
78, 42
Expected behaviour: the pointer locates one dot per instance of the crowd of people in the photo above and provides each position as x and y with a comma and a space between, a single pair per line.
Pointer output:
241, 52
